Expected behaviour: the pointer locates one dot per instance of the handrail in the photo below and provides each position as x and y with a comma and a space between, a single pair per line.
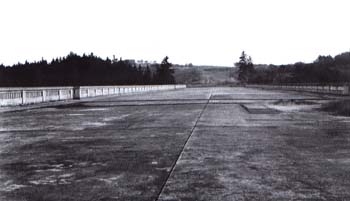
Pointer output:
29, 95
330, 88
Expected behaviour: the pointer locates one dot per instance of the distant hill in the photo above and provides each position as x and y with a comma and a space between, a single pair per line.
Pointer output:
205, 75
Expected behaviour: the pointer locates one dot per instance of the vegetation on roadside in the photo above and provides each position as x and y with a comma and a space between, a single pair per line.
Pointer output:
338, 107
325, 69
92, 70
86, 70
246, 71
164, 73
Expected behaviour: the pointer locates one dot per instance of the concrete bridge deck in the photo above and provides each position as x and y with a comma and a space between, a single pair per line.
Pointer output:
191, 144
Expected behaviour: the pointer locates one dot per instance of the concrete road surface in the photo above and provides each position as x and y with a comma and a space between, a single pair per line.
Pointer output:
195, 144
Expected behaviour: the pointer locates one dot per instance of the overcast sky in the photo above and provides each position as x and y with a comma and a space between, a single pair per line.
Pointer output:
198, 31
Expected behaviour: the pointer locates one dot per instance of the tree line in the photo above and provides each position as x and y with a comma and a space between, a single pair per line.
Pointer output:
325, 69
85, 70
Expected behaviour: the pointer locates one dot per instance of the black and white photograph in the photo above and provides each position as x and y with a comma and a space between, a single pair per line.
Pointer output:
174, 100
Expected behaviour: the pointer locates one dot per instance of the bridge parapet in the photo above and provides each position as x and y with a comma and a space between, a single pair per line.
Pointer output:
30, 95
330, 88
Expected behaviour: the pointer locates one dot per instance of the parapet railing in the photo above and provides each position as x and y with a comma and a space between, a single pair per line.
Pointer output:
30, 95
327, 88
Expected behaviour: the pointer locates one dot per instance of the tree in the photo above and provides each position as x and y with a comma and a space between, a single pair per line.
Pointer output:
164, 74
245, 68
147, 75
73, 70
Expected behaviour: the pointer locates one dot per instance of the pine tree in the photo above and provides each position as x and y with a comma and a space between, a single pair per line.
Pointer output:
164, 73
147, 76
245, 68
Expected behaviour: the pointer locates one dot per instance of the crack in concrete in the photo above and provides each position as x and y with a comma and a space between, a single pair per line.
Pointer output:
183, 148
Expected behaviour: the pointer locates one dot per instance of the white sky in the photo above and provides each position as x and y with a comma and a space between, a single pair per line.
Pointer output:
198, 31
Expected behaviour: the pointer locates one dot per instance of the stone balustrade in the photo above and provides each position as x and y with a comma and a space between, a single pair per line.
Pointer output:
23, 96
337, 89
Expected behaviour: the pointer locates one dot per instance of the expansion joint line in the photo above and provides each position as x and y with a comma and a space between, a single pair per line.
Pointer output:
183, 148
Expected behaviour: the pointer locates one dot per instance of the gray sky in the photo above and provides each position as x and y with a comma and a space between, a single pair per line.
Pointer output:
197, 31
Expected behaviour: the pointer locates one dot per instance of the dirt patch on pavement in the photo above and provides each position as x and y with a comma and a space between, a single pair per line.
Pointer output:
337, 107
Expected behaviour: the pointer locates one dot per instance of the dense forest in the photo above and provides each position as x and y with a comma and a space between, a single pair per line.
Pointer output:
324, 69
86, 70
